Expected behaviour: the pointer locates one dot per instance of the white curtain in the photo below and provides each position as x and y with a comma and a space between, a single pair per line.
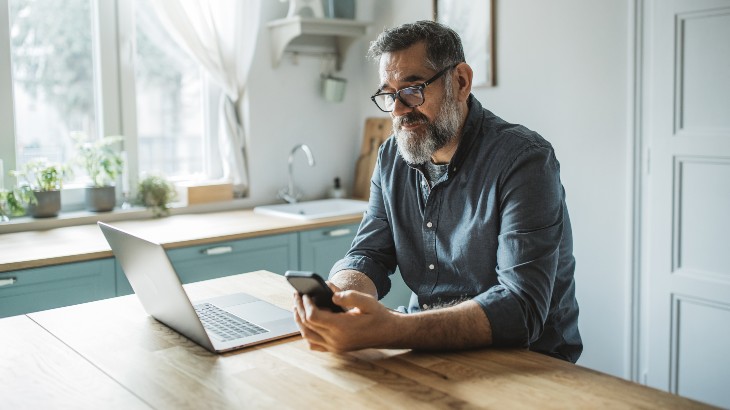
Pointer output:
221, 36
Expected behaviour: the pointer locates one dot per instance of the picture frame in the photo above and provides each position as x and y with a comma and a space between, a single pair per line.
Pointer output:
474, 22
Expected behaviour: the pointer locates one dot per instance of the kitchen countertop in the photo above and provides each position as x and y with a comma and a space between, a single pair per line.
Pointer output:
32, 249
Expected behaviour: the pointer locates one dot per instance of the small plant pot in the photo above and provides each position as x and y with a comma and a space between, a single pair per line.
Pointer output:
49, 204
101, 199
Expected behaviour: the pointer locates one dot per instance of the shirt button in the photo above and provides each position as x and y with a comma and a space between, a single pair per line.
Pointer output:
429, 224
431, 266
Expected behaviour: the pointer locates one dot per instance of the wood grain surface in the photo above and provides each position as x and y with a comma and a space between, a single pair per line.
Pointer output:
167, 371
37, 371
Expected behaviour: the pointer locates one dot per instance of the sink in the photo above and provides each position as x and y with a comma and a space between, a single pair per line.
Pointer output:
323, 208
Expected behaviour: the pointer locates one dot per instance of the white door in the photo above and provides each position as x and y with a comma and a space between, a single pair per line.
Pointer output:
685, 328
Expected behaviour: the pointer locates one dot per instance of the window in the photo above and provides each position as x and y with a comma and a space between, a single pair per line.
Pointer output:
71, 70
170, 124
52, 64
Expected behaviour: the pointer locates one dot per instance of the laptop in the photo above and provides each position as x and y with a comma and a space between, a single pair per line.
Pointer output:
219, 324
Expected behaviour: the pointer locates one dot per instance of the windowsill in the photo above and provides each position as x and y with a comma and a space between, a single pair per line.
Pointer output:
74, 218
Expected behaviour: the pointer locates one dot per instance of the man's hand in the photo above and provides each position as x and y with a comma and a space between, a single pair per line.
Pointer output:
365, 322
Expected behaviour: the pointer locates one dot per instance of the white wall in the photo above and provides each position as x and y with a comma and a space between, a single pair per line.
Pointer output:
285, 109
562, 70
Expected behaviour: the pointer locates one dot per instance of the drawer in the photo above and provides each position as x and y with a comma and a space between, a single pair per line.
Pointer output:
31, 290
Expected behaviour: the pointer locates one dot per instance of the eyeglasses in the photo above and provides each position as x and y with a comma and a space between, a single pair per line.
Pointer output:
410, 96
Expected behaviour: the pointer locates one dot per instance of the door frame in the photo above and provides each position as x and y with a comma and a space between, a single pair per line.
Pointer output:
638, 173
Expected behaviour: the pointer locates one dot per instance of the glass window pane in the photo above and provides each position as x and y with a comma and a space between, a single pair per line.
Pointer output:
169, 101
53, 76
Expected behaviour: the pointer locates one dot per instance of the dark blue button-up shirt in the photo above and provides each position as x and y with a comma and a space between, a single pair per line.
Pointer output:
494, 229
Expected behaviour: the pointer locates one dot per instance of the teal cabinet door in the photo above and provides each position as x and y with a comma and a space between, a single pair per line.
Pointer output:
276, 253
319, 249
32, 290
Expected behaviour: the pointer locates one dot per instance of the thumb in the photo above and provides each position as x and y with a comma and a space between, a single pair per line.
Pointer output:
351, 299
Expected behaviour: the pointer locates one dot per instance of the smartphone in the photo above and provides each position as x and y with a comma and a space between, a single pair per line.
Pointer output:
312, 285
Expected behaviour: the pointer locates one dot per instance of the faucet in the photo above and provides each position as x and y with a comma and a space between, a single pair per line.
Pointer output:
289, 193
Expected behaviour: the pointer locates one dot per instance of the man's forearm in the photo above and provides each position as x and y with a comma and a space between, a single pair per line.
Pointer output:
458, 327
353, 280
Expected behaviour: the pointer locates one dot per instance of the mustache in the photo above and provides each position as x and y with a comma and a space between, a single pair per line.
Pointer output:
410, 119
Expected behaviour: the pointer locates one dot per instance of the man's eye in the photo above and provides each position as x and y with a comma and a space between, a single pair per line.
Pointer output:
410, 91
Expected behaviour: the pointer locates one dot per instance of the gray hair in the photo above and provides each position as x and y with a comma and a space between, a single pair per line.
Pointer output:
443, 45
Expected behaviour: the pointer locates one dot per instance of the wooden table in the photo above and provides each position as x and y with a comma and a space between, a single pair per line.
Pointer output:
110, 354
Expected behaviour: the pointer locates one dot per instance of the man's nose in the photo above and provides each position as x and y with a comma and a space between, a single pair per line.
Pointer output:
400, 108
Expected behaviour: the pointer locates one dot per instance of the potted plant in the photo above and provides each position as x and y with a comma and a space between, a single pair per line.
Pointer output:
45, 179
103, 163
155, 192
13, 202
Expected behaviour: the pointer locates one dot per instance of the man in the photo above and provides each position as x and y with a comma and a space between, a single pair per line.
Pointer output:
468, 207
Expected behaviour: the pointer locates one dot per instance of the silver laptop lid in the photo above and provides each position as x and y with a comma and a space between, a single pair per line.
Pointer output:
156, 283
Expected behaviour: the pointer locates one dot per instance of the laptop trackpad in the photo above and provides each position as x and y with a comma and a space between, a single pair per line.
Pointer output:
258, 312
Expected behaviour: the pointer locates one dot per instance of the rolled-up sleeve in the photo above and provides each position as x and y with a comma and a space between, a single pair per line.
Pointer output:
531, 228
372, 251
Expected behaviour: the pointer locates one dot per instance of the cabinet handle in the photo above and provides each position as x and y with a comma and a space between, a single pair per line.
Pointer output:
218, 250
7, 281
337, 232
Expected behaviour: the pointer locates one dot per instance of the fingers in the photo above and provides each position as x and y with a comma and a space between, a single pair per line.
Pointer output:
357, 301
304, 311
334, 287
312, 315
314, 339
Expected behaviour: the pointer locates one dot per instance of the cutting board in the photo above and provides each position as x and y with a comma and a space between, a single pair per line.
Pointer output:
377, 130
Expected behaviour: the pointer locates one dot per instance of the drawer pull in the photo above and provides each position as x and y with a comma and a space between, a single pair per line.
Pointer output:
338, 232
7, 281
218, 250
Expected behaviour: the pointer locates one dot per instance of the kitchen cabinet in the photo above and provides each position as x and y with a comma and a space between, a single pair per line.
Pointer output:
275, 253
31, 290
319, 249
40, 288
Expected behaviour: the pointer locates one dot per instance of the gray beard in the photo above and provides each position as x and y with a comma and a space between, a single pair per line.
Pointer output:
417, 148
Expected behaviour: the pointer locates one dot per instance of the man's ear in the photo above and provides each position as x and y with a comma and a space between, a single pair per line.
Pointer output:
464, 75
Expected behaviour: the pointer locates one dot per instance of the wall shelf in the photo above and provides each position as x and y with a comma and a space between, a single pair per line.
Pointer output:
318, 36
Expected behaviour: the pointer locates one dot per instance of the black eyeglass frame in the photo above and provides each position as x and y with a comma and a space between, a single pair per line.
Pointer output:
420, 87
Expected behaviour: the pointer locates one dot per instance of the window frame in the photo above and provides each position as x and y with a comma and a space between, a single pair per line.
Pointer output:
7, 108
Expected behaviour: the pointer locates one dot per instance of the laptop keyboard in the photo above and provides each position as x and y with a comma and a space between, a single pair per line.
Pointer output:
224, 325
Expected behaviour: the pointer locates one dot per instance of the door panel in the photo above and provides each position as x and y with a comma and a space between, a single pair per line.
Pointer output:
701, 214
703, 87
686, 236
696, 338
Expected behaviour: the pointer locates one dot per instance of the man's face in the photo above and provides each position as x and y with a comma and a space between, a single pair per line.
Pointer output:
420, 131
